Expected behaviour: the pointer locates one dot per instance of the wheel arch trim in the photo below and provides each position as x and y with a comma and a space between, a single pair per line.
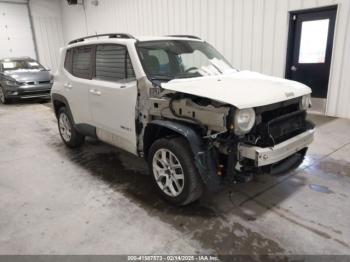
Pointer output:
63, 100
203, 158
84, 129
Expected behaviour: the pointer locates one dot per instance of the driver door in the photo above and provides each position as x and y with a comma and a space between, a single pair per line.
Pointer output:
113, 97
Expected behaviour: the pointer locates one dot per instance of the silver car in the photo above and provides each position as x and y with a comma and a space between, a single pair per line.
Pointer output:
23, 78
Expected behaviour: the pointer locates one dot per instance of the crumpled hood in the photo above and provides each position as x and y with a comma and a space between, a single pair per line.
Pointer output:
29, 75
243, 89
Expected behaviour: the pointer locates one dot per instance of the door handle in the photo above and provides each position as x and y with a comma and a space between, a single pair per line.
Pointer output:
68, 86
293, 68
95, 92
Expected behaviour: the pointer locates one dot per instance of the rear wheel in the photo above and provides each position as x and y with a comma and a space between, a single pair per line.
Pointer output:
3, 98
70, 136
175, 175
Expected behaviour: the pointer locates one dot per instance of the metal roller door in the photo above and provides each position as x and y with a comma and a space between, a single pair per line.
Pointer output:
16, 35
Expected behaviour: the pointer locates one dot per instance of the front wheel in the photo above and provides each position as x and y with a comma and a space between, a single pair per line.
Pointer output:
3, 98
70, 136
177, 179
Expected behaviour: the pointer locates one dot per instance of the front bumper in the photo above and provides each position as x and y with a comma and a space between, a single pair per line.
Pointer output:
29, 91
271, 155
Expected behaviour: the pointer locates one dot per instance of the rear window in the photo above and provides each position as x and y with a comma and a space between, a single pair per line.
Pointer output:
82, 62
68, 62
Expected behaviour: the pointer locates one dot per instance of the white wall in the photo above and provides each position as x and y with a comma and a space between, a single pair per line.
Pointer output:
252, 34
47, 22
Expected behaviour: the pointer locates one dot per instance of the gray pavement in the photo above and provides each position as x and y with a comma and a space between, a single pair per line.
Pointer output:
100, 200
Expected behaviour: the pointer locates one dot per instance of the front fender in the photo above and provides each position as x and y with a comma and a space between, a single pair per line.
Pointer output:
204, 157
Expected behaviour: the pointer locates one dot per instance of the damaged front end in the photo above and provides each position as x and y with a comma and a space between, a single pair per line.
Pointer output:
273, 139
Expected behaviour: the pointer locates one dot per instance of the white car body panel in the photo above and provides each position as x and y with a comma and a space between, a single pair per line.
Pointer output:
112, 107
243, 89
76, 91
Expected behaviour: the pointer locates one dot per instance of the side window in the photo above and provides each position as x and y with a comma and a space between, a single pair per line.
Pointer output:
68, 62
113, 63
82, 58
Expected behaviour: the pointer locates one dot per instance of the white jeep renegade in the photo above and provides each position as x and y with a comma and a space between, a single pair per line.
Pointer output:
178, 103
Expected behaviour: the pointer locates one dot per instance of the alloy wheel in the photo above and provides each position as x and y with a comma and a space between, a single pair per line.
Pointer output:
2, 96
168, 172
65, 127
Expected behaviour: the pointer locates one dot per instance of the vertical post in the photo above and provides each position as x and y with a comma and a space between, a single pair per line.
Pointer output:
33, 30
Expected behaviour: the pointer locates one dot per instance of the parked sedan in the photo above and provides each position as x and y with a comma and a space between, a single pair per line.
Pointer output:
23, 78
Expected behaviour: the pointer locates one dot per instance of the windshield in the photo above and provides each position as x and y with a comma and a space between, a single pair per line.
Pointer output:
169, 59
21, 65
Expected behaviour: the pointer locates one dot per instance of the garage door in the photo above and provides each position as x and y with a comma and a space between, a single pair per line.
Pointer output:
16, 36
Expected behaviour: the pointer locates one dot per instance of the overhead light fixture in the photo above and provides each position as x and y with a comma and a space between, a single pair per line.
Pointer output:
95, 2
75, 2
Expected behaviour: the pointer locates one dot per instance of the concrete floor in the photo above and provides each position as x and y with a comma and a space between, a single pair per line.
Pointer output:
99, 200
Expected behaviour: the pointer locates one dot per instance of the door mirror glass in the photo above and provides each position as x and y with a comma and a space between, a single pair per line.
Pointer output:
313, 43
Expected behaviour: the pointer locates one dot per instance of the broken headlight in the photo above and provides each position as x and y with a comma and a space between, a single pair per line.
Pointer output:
244, 121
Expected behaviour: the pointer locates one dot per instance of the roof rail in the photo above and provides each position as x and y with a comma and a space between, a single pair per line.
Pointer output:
111, 35
186, 36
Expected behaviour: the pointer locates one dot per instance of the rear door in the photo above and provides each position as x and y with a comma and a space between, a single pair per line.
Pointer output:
77, 81
113, 96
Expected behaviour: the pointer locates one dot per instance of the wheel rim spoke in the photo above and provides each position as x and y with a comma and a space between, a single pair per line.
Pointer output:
179, 176
176, 182
160, 171
172, 188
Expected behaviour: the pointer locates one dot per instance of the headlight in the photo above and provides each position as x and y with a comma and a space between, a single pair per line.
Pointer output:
244, 121
11, 83
305, 102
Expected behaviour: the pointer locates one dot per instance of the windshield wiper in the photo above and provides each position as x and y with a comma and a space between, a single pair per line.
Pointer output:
161, 77
187, 75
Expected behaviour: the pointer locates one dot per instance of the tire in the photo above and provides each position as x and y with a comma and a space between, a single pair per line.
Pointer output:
171, 158
70, 136
3, 98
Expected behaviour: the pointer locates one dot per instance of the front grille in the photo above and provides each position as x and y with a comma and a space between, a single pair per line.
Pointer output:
285, 127
272, 114
44, 82
35, 92
36, 83
278, 125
